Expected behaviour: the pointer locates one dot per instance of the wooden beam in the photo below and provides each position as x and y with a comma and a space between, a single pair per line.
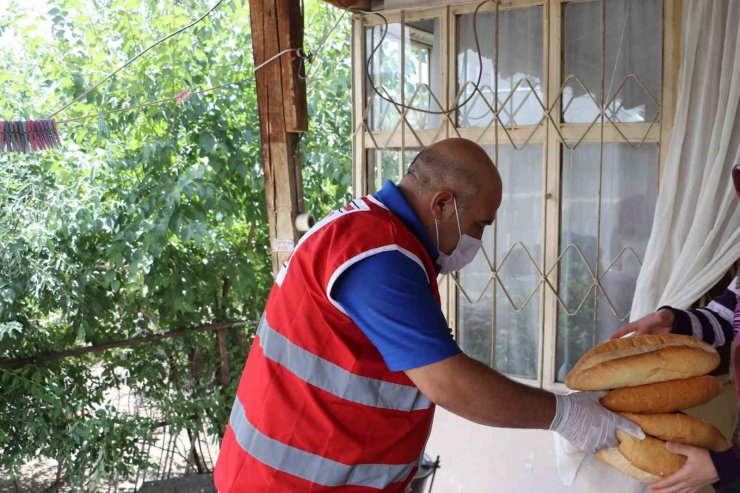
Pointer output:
290, 35
277, 25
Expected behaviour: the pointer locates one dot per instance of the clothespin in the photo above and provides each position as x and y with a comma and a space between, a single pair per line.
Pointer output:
32, 141
45, 141
21, 136
8, 136
9, 129
24, 137
38, 141
28, 135
11, 136
38, 132
18, 137
56, 134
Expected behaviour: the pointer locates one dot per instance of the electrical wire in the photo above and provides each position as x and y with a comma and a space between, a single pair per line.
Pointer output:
323, 41
422, 110
299, 52
173, 98
132, 60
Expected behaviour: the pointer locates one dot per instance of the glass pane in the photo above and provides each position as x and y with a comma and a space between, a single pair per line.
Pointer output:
632, 60
520, 68
607, 243
475, 303
519, 224
519, 233
386, 164
474, 320
385, 73
634, 46
422, 84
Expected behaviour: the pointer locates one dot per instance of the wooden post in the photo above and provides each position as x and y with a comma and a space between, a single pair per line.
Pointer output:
277, 25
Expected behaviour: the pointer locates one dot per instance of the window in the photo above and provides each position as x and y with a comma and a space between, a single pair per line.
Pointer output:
569, 108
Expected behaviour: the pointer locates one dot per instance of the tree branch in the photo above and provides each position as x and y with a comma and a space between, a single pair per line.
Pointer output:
134, 341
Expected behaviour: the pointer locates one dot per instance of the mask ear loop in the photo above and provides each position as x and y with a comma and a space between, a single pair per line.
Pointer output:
436, 227
457, 217
459, 231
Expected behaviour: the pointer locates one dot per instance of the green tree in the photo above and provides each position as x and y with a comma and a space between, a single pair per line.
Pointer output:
144, 220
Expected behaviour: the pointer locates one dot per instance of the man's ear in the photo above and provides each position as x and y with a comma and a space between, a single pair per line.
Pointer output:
441, 205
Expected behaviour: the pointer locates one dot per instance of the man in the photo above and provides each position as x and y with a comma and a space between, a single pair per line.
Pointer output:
353, 351
717, 324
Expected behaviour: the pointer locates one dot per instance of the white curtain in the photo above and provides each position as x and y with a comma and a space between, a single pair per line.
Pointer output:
696, 230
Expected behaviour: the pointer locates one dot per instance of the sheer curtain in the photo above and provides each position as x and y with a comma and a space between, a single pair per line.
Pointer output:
696, 229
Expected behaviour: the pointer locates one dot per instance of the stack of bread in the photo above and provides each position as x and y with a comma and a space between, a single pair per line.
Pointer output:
650, 379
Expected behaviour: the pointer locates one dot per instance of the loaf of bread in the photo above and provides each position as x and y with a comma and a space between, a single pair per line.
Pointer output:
642, 360
649, 455
614, 458
681, 428
663, 397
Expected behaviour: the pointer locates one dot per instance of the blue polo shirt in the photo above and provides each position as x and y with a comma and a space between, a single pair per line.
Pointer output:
389, 297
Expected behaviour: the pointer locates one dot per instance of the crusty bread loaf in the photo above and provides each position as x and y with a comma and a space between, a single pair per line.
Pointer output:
681, 428
614, 458
649, 455
641, 360
663, 397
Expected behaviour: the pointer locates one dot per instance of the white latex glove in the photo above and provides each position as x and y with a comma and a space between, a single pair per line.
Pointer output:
583, 421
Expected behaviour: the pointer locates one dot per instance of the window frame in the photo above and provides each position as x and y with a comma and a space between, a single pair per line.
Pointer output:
547, 132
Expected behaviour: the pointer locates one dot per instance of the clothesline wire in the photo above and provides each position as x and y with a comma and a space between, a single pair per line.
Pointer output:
299, 52
138, 55
324, 40
173, 98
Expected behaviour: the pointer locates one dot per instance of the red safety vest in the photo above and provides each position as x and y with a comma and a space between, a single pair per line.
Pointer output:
317, 409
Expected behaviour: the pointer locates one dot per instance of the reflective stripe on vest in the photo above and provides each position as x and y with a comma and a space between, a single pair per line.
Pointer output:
308, 466
336, 380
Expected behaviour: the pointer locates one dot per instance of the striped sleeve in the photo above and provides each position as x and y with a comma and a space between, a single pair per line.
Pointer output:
712, 323
727, 464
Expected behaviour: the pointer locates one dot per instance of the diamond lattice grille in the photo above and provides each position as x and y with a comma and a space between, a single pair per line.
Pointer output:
601, 92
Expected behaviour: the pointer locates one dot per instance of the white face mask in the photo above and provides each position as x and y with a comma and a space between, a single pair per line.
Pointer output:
464, 252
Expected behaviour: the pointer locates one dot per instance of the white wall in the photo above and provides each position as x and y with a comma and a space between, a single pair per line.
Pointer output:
479, 459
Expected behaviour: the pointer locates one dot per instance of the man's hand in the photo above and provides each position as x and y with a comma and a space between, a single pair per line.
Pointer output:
659, 322
699, 471
584, 422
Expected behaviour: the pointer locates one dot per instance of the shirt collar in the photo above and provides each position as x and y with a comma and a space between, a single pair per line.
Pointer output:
394, 200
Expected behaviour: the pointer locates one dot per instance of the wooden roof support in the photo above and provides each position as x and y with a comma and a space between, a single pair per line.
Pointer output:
281, 100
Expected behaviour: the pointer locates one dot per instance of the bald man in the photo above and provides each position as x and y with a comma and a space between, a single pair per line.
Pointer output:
353, 351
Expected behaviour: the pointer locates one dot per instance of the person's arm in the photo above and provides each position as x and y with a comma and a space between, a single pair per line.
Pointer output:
712, 324
388, 296
727, 465
472, 390
702, 468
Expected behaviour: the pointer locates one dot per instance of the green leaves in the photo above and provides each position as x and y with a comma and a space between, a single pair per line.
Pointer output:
11, 330
144, 221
